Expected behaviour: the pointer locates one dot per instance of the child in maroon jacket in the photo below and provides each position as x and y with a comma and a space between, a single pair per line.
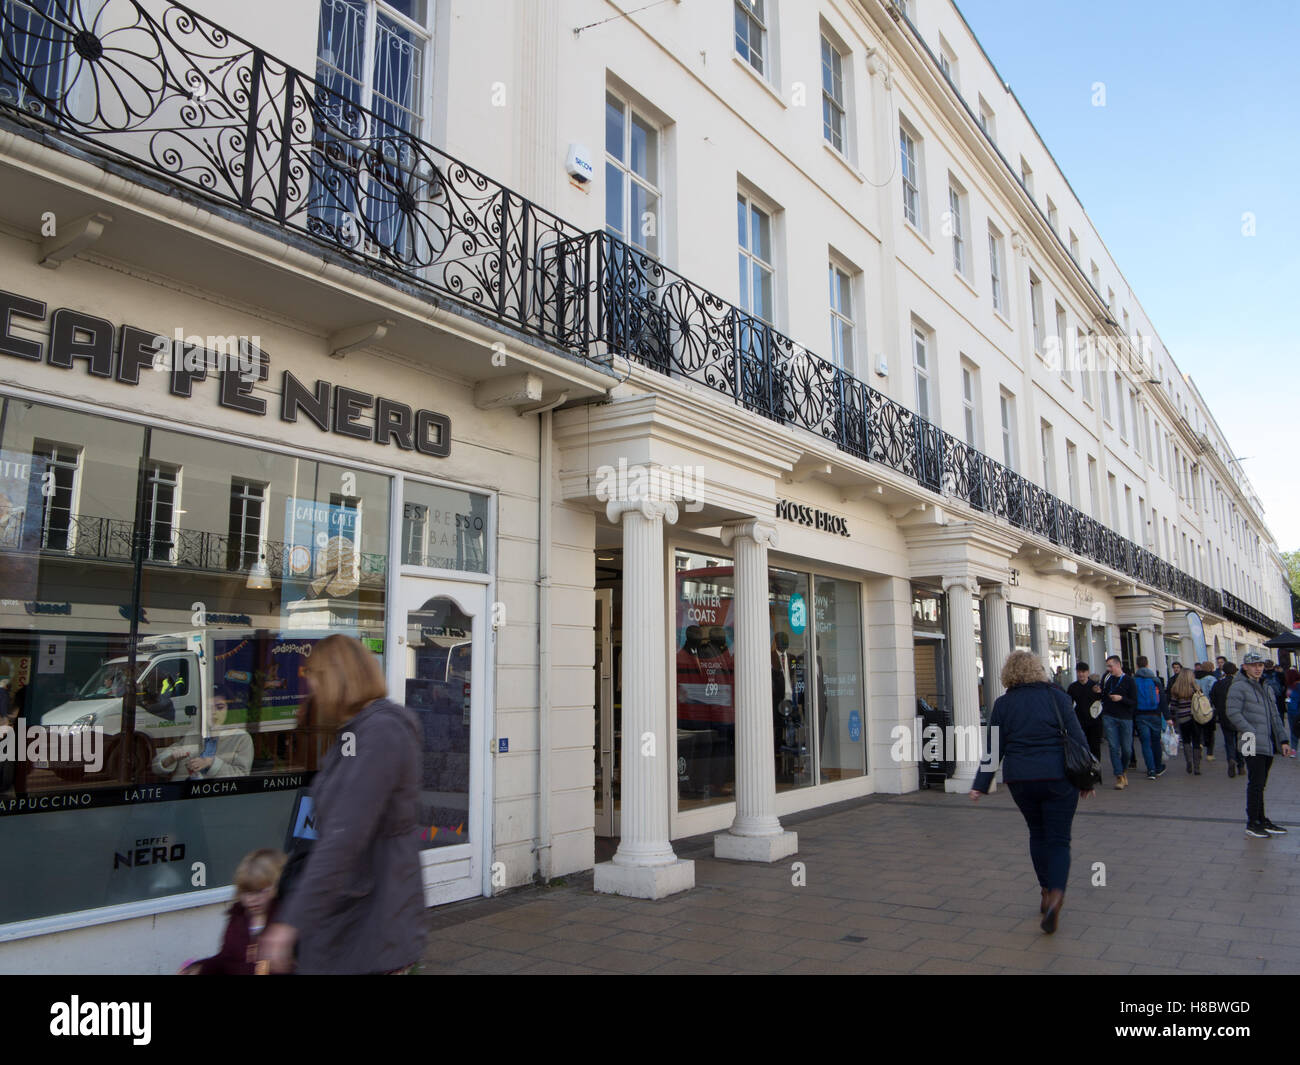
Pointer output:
255, 880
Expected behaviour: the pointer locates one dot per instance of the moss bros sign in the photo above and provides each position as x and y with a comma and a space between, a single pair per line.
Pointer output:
813, 518
122, 354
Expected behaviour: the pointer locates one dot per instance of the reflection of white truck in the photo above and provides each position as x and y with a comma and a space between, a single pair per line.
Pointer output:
176, 676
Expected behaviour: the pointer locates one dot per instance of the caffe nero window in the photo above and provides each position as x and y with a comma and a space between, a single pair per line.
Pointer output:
161, 593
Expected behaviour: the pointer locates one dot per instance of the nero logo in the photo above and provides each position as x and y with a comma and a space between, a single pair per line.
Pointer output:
150, 852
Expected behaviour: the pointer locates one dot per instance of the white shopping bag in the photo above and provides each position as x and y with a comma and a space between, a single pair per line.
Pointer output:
1169, 740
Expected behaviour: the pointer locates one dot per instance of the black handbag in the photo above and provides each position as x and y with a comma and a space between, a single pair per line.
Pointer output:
1081, 768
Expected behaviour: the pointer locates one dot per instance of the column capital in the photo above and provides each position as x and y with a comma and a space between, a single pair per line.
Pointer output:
650, 509
961, 581
994, 589
756, 529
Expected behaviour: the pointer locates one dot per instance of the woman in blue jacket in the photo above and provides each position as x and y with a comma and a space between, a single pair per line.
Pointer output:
1024, 734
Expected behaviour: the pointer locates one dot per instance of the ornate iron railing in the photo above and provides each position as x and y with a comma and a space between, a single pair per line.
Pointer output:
85, 537
164, 88
655, 316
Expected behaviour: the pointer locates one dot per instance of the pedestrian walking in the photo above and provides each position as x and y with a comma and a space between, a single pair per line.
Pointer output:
1293, 706
1206, 678
1147, 718
1181, 693
1025, 729
1084, 693
357, 906
1253, 713
1119, 701
1219, 699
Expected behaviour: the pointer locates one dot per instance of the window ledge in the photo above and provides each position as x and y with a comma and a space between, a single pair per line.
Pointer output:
843, 160
744, 64
966, 281
918, 235
1001, 316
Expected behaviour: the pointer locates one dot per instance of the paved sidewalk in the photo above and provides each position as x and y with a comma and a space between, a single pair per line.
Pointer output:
933, 883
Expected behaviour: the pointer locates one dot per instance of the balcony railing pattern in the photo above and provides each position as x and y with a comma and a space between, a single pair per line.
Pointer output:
163, 87
91, 538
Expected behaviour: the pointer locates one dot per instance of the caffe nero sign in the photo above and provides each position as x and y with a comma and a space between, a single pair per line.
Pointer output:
822, 520
123, 354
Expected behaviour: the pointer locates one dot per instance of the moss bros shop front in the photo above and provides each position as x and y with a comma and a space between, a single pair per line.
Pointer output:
177, 531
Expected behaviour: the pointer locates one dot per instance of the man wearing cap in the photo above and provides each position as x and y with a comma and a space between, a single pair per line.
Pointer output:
1252, 711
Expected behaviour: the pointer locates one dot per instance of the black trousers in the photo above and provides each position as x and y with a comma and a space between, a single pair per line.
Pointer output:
1257, 767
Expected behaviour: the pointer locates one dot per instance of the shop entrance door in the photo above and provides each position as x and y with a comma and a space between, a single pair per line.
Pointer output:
607, 725
440, 672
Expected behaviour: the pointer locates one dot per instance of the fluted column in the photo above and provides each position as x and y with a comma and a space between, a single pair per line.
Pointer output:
961, 660
756, 834
645, 865
997, 637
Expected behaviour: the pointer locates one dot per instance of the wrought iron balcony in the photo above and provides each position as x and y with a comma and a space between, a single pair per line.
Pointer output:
163, 88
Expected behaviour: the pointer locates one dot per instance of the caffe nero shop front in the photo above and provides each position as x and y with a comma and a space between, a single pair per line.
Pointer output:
161, 590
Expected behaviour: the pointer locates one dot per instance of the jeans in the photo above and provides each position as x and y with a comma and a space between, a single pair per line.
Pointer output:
1119, 738
1149, 727
1293, 721
1230, 751
1048, 807
1257, 767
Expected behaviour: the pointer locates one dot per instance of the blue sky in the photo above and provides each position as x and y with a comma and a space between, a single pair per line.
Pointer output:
1201, 124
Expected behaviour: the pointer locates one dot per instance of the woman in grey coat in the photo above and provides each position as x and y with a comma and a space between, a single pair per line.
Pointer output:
1252, 711
358, 904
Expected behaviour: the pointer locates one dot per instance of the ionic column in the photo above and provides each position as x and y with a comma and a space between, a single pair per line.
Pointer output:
997, 636
645, 866
961, 660
756, 834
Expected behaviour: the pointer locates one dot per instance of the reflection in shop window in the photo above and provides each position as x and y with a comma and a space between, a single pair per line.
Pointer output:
1021, 632
705, 668
839, 691
54, 487
445, 528
1059, 666
189, 667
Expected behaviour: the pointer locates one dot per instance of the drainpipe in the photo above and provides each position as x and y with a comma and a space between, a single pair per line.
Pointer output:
545, 450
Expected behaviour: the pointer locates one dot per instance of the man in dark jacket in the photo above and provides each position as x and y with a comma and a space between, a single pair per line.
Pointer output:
1083, 693
1118, 702
1219, 699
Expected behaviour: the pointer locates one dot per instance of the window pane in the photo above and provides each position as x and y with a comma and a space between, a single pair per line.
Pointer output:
762, 241
614, 127
644, 219
742, 229
839, 691
444, 528
645, 150
794, 704
762, 293
705, 668
614, 219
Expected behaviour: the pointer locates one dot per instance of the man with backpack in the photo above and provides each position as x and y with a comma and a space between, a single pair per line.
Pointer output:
1147, 718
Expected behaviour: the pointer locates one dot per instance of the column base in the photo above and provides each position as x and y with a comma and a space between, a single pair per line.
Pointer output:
645, 881
755, 848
